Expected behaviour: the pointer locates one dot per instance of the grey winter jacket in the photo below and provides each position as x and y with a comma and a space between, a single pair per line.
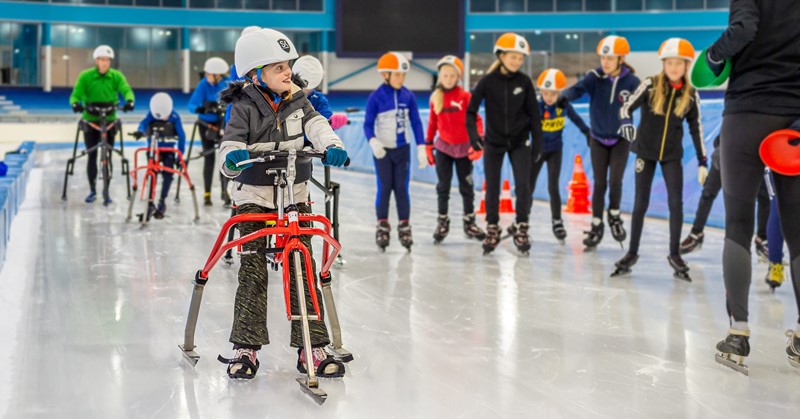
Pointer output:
255, 126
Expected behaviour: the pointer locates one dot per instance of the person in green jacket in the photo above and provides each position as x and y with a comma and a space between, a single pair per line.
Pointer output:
99, 84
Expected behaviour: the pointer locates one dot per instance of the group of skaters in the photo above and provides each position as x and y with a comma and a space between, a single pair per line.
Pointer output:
273, 105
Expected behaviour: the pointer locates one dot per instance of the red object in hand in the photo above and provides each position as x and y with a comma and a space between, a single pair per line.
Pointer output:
429, 151
780, 151
474, 155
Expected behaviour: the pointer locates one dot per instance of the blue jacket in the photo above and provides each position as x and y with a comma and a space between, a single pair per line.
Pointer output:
206, 92
606, 96
320, 104
388, 115
174, 119
553, 122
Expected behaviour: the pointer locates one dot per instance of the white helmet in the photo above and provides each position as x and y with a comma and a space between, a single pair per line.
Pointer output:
161, 106
262, 47
310, 70
215, 65
103, 51
249, 29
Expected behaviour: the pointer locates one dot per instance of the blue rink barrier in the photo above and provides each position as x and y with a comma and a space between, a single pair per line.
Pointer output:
574, 144
12, 189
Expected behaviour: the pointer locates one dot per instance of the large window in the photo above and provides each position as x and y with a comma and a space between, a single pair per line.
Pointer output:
299, 5
19, 54
573, 6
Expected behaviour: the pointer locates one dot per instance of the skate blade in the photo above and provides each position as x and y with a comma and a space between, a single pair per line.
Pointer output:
228, 261
316, 393
794, 362
191, 357
620, 272
726, 360
683, 276
341, 354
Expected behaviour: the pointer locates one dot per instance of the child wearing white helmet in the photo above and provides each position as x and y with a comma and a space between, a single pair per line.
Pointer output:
666, 101
607, 86
550, 83
447, 134
99, 84
391, 110
513, 128
310, 71
205, 103
270, 112
161, 124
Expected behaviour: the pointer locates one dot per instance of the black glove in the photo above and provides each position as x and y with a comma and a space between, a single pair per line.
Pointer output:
562, 102
476, 143
138, 134
128, 106
536, 151
200, 109
77, 107
588, 135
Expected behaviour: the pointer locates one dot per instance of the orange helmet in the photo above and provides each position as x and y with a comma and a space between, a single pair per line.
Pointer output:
453, 61
394, 62
613, 46
552, 79
676, 48
511, 42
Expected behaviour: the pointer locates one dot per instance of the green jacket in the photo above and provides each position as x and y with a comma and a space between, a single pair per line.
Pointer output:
94, 87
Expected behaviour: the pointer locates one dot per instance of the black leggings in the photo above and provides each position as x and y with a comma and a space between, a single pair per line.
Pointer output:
710, 191
742, 174
553, 160
673, 178
604, 160
444, 170
91, 137
209, 139
520, 157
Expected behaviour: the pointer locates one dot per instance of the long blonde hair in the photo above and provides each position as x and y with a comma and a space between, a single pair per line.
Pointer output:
659, 96
437, 99
495, 65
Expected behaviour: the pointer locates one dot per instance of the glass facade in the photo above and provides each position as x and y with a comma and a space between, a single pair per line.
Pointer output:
290, 5
19, 54
573, 6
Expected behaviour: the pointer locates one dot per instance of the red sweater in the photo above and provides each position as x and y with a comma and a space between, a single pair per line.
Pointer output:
451, 122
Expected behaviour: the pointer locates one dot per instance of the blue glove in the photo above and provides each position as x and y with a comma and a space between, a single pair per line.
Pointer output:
236, 156
334, 156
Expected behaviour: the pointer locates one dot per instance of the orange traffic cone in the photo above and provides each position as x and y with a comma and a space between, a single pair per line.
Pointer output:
578, 201
506, 203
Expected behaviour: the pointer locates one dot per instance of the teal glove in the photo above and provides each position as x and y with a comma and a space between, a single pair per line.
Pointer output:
235, 157
334, 156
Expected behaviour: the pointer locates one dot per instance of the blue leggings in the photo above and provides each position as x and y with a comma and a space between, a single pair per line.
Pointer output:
392, 173
774, 233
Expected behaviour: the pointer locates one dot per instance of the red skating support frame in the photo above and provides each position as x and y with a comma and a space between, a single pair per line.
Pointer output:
153, 166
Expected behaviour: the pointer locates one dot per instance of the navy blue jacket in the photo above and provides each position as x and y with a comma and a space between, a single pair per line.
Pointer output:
553, 122
606, 96
320, 104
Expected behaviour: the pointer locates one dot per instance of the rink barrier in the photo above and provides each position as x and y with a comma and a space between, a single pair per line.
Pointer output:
574, 143
12, 189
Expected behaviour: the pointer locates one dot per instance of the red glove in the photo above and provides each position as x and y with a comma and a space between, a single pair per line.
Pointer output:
429, 152
338, 120
474, 155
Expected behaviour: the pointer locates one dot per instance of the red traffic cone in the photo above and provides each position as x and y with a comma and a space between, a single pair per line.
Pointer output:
578, 201
482, 208
506, 202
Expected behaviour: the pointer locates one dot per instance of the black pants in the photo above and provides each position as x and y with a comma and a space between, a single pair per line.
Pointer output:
742, 175
520, 157
444, 170
710, 191
673, 178
91, 138
608, 166
167, 160
553, 160
210, 138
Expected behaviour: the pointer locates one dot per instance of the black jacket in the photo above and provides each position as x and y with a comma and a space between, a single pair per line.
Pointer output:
763, 43
512, 111
660, 137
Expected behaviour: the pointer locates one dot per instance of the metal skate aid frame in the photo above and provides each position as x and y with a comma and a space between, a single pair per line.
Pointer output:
287, 232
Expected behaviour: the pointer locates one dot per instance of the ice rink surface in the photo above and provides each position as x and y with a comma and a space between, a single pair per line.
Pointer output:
92, 311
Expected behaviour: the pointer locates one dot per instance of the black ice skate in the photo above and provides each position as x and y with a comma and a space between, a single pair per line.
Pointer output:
382, 235
680, 267
521, 238
593, 236
617, 229
442, 228
559, 231
762, 249
492, 238
404, 234
793, 348
625, 264
471, 230
734, 349
692, 242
